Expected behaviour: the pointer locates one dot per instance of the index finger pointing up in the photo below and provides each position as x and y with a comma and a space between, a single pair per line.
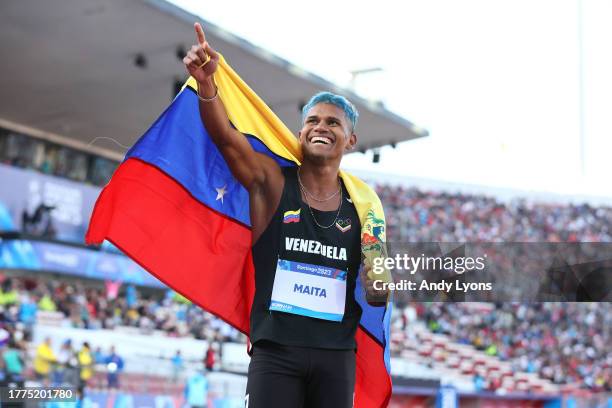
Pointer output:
200, 33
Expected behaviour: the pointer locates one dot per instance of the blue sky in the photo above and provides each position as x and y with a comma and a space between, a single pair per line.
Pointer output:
496, 83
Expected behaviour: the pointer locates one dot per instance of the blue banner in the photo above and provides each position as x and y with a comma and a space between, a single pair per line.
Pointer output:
83, 262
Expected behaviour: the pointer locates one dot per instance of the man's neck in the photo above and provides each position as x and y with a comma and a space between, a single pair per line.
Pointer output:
319, 179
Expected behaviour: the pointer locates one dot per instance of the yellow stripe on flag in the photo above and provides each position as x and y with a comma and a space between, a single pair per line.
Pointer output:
295, 212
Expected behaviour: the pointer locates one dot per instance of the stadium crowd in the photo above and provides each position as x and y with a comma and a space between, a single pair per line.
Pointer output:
565, 342
86, 307
414, 215
92, 307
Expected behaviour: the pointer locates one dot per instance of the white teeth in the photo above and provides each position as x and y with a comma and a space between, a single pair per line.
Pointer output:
320, 139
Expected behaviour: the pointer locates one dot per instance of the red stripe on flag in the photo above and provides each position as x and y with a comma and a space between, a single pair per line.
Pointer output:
373, 383
196, 251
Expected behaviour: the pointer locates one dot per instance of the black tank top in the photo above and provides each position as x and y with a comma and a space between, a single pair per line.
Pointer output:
297, 330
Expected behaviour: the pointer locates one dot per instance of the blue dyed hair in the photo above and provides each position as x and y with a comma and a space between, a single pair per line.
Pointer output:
337, 100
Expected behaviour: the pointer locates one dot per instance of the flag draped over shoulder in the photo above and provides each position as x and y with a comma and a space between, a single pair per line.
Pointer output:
174, 207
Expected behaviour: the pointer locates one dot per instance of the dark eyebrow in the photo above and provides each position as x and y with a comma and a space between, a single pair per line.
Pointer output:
312, 117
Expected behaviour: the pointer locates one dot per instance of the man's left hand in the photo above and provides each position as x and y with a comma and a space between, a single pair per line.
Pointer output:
373, 296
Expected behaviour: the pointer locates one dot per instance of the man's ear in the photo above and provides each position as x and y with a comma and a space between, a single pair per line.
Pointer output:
352, 142
299, 135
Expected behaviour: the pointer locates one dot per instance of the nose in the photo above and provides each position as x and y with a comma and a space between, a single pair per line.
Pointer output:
320, 127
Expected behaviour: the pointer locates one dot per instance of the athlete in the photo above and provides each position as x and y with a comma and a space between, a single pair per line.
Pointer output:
303, 224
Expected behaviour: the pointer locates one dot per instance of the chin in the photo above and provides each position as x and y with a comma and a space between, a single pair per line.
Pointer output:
317, 154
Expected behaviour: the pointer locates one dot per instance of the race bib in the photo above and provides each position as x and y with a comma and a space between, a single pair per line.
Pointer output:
309, 290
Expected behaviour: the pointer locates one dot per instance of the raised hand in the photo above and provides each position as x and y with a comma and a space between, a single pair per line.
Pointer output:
201, 60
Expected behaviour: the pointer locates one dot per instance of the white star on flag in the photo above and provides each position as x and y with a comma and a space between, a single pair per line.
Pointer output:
220, 193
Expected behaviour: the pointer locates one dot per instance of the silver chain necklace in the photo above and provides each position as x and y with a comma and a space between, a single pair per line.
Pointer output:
307, 193
312, 213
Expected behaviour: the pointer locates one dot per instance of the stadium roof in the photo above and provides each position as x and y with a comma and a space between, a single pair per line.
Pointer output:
69, 74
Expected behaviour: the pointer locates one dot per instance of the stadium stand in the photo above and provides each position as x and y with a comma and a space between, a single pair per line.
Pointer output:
424, 216
541, 347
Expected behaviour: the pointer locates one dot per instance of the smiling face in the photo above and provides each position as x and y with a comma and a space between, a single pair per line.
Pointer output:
326, 133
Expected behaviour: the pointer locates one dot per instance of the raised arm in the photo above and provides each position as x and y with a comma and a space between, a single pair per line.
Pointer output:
249, 167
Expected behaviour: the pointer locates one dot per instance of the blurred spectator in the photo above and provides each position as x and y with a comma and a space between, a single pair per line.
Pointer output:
5, 337
98, 356
131, 297
177, 365
99, 367
209, 360
8, 293
114, 367
45, 358
479, 382
112, 289
196, 390
86, 362
46, 303
14, 362
27, 309
67, 365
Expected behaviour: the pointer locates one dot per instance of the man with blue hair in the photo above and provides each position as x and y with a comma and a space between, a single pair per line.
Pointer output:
303, 223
